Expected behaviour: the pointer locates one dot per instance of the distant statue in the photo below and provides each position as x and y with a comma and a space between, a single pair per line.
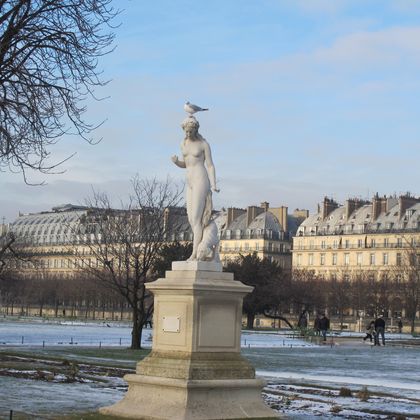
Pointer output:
200, 184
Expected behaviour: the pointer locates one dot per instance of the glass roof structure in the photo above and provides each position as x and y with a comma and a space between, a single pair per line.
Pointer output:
49, 228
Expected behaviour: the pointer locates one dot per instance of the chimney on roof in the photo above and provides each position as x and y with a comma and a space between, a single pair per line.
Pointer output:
300, 215
281, 214
265, 206
404, 202
328, 206
353, 204
252, 212
379, 206
232, 214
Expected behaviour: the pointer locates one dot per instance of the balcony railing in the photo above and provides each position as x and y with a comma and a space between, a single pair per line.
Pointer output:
250, 250
355, 246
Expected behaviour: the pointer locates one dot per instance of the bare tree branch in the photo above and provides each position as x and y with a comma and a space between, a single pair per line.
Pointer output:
120, 247
49, 52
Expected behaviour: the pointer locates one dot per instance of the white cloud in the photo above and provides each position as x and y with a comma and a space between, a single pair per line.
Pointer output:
392, 46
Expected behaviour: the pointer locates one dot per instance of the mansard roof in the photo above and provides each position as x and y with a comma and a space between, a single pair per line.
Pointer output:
265, 220
362, 220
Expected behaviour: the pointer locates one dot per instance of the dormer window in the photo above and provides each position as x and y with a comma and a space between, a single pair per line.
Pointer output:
410, 213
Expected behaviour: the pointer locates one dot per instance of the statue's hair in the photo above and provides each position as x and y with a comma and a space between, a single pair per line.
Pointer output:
190, 121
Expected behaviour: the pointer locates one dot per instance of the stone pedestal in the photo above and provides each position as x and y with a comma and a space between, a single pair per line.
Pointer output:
195, 370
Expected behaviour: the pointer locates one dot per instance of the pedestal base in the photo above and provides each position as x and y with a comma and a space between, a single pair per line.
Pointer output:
195, 371
159, 398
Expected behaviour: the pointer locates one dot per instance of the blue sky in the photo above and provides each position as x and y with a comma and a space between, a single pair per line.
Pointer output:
307, 98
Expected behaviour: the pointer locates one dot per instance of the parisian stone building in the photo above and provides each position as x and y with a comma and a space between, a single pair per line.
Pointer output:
369, 238
264, 230
56, 239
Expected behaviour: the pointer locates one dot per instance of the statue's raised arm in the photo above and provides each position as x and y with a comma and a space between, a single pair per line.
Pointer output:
201, 181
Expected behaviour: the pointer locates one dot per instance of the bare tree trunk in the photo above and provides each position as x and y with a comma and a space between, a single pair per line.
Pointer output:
136, 331
250, 317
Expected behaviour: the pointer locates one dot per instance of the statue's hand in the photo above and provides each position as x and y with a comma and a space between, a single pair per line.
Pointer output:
214, 189
174, 159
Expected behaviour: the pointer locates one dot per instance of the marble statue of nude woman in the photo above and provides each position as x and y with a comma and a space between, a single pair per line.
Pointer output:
201, 181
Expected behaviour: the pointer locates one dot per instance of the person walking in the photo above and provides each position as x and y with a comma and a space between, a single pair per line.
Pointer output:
370, 331
400, 325
316, 324
380, 330
324, 326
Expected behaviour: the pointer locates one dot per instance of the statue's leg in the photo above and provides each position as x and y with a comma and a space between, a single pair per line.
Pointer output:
189, 204
198, 201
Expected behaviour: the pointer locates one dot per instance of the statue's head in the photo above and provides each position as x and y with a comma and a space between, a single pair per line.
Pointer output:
190, 126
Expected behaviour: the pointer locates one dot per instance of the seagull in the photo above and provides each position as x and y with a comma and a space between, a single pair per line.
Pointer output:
192, 109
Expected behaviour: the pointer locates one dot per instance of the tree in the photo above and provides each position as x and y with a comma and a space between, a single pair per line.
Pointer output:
123, 245
339, 294
410, 286
49, 52
266, 277
6, 242
308, 292
176, 251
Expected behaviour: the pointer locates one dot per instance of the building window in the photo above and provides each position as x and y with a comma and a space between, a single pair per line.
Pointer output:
360, 243
359, 258
257, 246
385, 258
399, 259
386, 243
346, 258
310, 259
270, 247
323, 245
322, 259
373, 243
399, 242
334, 259
372, 259
311, 244
335, 244
347, 243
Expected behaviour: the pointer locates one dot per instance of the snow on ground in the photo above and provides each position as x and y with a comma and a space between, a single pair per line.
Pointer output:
304, 378
106, 334
44, 398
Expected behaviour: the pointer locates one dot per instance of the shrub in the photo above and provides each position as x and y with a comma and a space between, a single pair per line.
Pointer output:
335, 409
363, 394
345, 392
